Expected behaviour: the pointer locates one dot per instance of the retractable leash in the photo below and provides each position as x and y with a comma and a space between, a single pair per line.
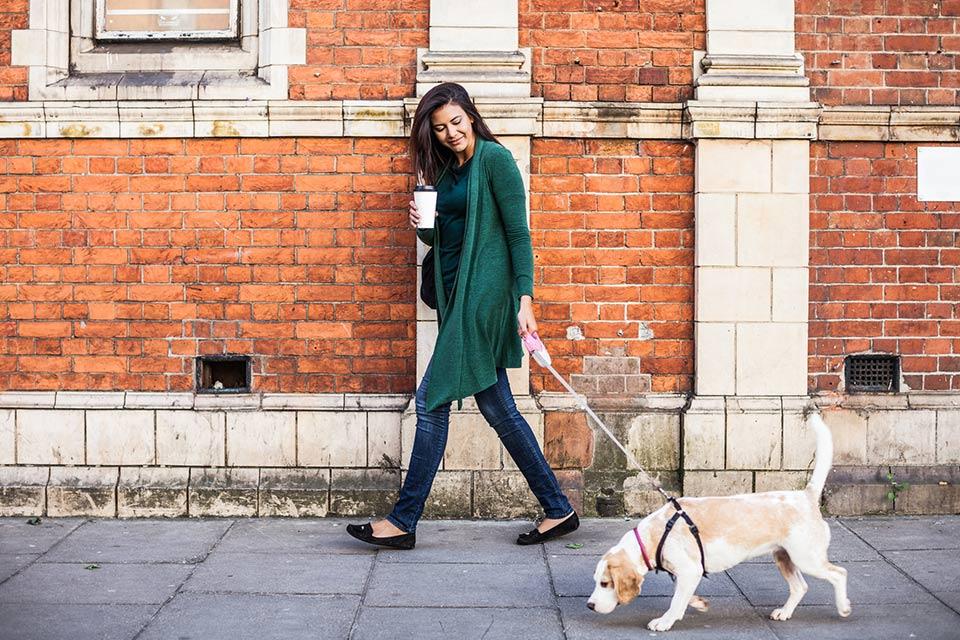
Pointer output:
538, 352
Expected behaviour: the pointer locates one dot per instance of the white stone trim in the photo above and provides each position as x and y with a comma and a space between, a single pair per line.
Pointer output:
148, 118
65, 64
202, 401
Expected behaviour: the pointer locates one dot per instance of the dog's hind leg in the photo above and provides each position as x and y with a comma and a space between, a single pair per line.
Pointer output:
798, 586
814, 562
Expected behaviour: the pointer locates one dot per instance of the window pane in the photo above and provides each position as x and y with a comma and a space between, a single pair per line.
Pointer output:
166, 16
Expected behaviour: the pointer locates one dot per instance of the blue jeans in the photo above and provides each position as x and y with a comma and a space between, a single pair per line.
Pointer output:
497, 406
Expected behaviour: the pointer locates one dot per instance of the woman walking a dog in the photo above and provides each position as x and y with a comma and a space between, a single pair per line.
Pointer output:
484, 277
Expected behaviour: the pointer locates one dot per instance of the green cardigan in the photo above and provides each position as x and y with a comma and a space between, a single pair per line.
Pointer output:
478, 325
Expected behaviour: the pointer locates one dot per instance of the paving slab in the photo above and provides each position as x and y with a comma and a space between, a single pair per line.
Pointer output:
908, 533
73, 621
248, 617
139, 541
56, 583
595, 534
292, 535
949, 598
282, 574
871, 622
727, 619
443, 541
934, 570
16, 536
10, 563
573, 576
458, 585
867, 583
394, 623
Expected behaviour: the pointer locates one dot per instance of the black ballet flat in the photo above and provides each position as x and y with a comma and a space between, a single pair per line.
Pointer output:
364, 533
569, 525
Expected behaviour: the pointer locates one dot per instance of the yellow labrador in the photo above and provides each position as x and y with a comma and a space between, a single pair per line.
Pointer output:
732, 529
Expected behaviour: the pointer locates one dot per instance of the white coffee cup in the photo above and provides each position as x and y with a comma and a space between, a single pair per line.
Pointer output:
425, 197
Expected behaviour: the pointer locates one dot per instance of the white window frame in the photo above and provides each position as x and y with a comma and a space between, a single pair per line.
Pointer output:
102, 33
68, 63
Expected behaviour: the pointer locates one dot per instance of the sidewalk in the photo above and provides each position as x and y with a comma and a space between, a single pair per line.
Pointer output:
286, 579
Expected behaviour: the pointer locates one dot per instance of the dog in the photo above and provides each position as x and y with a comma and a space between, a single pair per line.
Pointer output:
732, 529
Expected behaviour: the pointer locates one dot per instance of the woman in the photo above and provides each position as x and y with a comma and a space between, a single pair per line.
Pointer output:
484, 277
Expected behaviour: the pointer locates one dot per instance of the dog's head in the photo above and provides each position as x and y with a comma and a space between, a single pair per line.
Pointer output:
617, 580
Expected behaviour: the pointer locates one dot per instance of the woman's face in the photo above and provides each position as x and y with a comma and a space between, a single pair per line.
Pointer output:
454, 130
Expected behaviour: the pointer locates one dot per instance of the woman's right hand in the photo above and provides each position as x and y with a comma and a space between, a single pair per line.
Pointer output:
414, 215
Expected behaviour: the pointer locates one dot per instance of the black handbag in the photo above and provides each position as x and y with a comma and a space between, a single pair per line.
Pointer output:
428, 285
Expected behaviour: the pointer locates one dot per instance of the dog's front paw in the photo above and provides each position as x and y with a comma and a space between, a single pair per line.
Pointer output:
663, 623
779, 614
844, 611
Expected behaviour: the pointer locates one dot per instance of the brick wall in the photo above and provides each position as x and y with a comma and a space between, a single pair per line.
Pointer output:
122, 260
13, 80
361, 49
358, 49
612, 233
883, 266
613, 50
901, 52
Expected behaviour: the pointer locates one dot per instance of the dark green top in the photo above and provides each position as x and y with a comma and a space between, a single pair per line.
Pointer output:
451, 220
478, 323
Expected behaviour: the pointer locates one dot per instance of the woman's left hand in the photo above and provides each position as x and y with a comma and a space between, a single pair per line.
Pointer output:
526, 323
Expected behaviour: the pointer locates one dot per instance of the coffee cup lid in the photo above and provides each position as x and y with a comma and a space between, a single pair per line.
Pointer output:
425, 187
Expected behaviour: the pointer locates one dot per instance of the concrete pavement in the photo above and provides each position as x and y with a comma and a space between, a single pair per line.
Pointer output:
305, 578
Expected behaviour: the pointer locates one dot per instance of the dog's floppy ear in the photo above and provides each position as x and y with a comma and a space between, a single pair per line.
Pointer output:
625, 578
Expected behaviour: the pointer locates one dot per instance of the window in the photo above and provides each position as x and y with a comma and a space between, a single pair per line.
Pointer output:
158, 49
165, 19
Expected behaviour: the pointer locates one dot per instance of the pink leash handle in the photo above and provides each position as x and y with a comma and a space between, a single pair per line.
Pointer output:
533, 343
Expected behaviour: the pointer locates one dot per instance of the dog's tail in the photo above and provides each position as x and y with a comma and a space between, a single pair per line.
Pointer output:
824, 457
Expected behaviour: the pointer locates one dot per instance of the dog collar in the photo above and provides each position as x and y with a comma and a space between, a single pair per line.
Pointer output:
643, 550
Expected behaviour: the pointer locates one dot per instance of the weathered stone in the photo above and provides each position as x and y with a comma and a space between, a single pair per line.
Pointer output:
50, 436
603, 490
152, 492
948, 437
450, 495
383, 439
857, 499
901, 437
753, 440
332, 439
121, 437
22, 490
922, 499
568, 440
502, 494
294, 492
780, 480
471, 443
534, 417
263, 438
717, 483
223, 492
7, 436
704, 437
191, 438
639, 497
654, 440
799, 442
355, 492
82, 491
571, 482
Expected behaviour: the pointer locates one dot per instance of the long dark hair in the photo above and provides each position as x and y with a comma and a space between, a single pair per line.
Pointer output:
429, 156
